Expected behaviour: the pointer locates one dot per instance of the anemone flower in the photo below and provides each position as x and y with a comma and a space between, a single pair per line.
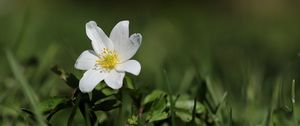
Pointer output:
110, 57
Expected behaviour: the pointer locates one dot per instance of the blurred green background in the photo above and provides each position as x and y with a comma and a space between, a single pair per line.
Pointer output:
240, 47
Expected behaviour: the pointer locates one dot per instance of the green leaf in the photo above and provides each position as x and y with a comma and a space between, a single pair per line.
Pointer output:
188, 105
184, 108
129, 82
97, 95
157, 109
100, 86
156, 116
133, 120
107, 105
159, 105
184, 103
198, 121
51, 103
109, 91
153, 96
185, 116
69, 78
101, 116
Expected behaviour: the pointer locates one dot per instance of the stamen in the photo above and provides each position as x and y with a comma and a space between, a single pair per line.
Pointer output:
108, 59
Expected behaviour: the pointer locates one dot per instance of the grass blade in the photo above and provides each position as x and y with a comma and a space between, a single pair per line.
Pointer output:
171, 98
293, 101
25, 87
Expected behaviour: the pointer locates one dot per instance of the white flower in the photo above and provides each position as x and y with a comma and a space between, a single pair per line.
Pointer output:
110, 58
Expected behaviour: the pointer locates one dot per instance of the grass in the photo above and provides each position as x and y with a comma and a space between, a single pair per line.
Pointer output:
243, 68
31, 96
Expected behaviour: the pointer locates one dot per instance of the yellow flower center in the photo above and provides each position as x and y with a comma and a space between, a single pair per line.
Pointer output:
108, 59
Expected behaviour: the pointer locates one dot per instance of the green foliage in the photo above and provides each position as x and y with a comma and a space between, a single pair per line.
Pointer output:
133, 120
50, 103
156, 94
156, 116
154, 107
223, 64
25, 86
184, 108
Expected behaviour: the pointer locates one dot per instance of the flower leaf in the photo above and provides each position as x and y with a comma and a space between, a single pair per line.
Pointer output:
49, 104
153, 96
107, 105
133, 120
183, 115
156, 116
129, 82
188, 106
109, 91
97, 95
159, 105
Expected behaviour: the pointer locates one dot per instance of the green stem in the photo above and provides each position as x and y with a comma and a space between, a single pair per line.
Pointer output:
89, 116
73, 112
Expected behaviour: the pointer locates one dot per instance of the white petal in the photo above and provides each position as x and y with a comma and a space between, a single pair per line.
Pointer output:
131, 66
127, 49
120, 34
115, 79
90, 79
98, 37
86, 60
